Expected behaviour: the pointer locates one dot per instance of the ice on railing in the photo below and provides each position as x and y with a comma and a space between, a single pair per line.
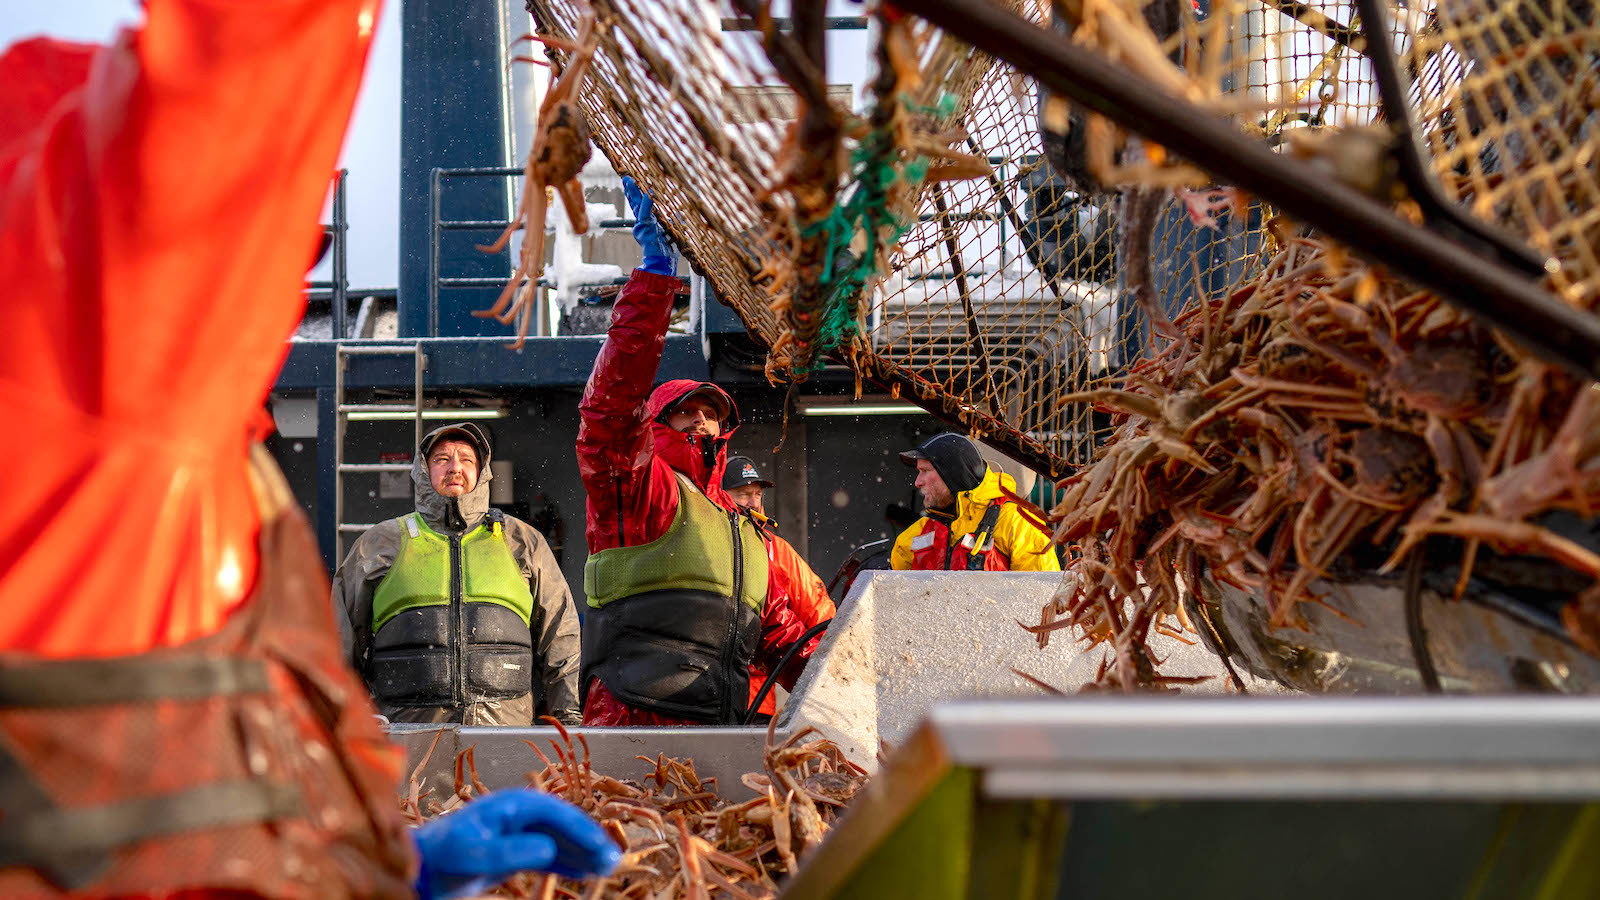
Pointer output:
570, 273
591, 275
598, 176
599, 212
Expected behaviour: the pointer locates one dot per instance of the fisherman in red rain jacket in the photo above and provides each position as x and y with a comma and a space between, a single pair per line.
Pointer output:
808, 597
681, 598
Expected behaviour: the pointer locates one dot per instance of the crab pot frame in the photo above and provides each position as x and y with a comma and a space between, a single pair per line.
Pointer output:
1007, 292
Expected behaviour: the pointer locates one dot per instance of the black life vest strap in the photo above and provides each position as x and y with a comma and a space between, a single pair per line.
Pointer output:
983, 537
94, 682
74, 847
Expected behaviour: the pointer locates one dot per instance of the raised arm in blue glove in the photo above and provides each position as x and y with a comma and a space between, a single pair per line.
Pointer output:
494, 837
647, 231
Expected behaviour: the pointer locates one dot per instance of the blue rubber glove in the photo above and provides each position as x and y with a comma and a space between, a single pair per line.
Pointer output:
505, 832
647, 231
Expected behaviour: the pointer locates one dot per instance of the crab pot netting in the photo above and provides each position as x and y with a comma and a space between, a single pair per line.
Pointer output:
1005, 292
698, 117
658, 103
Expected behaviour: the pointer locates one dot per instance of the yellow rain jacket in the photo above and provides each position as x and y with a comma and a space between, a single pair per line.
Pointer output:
1013, 544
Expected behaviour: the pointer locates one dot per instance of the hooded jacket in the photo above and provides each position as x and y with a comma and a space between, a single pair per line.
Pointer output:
629, 461
552, 633
932, 542
955, 457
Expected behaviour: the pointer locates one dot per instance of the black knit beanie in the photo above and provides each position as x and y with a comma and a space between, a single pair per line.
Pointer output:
954, 457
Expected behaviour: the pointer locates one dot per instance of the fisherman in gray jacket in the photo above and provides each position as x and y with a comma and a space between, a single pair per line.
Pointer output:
451, 611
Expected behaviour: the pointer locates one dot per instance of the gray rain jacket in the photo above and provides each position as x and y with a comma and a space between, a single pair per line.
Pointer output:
554, 629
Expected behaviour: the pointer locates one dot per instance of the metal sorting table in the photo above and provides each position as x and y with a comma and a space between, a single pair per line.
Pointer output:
504, 760
1241, 797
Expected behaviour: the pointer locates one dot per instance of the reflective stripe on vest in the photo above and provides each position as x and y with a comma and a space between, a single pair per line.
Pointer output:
420, 575
695, 553
931, 549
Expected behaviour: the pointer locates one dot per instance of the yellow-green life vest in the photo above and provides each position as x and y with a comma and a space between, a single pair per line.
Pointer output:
695, 553
673, 624
421, 575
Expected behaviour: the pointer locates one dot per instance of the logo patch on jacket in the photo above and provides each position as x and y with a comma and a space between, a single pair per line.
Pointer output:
922, 541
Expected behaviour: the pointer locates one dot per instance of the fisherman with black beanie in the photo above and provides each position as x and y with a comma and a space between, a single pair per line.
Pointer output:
970, 521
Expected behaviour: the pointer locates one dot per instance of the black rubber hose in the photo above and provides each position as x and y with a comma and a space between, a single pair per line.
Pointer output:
772, 677
1426, 670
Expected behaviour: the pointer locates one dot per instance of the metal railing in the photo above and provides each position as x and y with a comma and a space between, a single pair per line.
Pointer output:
439, 225
338, 286
343, 352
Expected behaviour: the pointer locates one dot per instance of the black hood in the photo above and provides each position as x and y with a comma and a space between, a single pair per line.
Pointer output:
954, 457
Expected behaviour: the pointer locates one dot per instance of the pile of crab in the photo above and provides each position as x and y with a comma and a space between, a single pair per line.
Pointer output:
1320, 417
679, 838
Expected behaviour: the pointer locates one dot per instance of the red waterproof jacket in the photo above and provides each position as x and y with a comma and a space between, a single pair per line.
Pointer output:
158, 207
627, 458
808, 598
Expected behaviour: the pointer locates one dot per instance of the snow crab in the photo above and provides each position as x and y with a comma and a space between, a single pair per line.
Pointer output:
679, 837
561, 148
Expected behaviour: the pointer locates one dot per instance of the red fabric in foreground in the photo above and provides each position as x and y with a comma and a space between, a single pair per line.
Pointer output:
157, 208
312, 732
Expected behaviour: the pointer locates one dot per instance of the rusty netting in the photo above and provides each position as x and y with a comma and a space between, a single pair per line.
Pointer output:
1004, 291
1009, 292
694, 107
1321, 418
700, 117
1509, 94
1012, 289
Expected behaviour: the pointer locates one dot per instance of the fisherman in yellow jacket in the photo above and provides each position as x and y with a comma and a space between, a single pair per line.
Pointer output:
969, 523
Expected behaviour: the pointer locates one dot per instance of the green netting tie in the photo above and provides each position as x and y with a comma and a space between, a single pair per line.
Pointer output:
945, 107
834, 223
863, 210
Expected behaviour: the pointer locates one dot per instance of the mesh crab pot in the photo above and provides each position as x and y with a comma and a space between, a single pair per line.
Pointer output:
1205, 371
1006, 291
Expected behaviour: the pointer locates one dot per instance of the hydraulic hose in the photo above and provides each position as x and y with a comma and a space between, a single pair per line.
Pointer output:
772, 677
1427, 672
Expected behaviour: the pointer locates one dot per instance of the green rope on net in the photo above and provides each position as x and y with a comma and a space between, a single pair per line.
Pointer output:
865, 210
944, 108
835, 223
